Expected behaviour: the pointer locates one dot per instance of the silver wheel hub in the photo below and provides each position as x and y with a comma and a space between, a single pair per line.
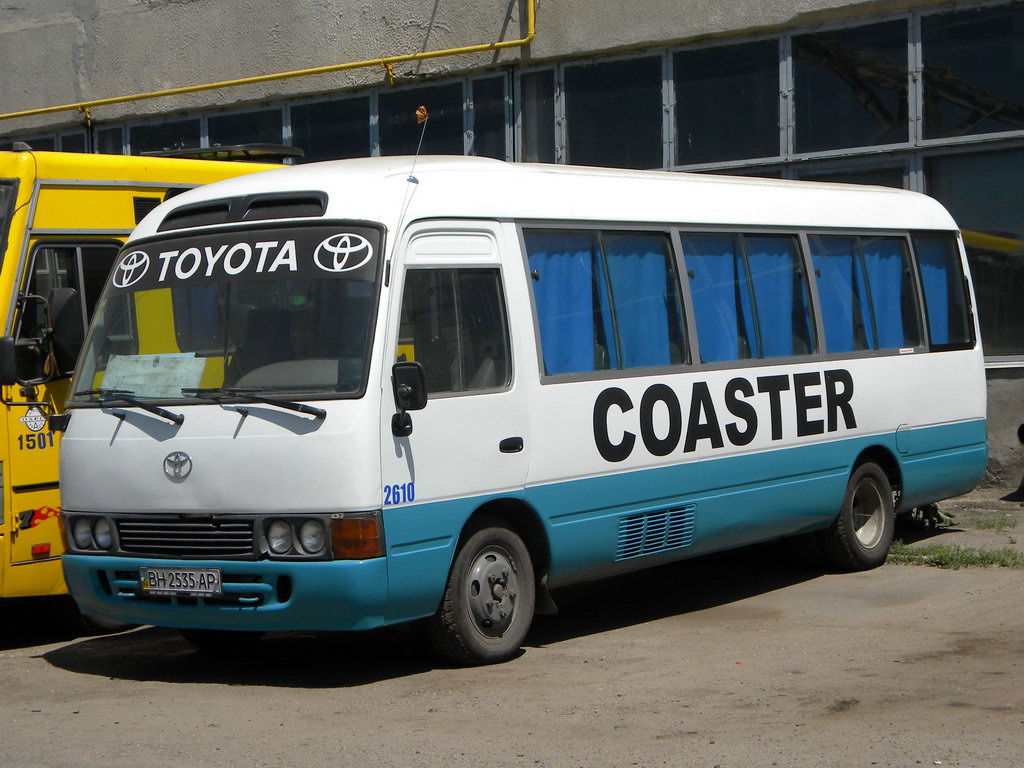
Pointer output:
868, 514
491, 596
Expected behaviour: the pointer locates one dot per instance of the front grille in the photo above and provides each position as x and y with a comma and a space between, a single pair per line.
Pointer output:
654, 532
187, 537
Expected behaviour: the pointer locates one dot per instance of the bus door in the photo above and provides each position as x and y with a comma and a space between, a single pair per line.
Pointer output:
469, 443
31, 471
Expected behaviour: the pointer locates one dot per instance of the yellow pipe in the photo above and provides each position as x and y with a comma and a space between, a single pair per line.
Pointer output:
386, 62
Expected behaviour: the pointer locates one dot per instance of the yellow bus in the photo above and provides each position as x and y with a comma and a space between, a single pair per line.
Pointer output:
63, 217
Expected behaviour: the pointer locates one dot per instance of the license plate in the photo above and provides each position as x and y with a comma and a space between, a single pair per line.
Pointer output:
180, 581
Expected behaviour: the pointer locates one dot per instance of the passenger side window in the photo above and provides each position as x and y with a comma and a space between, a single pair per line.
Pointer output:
945, 291
84, 268
750, 296
454, 323
605, 300
867, 294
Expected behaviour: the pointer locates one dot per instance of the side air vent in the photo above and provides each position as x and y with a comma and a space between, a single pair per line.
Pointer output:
653, 532
288, 205
144, 205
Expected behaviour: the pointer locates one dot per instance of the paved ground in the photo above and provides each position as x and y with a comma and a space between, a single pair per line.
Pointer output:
738, 660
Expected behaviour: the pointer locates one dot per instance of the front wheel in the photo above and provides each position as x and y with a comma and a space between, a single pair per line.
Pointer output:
859, 538
488, 601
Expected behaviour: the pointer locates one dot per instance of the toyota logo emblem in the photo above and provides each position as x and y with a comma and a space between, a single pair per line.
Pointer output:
343, 252
131, 269
177, 465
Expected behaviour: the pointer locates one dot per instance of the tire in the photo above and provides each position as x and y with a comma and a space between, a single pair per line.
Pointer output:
859, 538
220, 641
488, 601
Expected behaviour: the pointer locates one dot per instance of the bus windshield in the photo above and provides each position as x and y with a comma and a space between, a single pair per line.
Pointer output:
259, 311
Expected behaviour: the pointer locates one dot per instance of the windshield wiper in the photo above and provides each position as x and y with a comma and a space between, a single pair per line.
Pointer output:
217, 393
125, 396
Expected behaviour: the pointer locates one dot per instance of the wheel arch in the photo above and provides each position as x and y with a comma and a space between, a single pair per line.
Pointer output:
522, 519
890, 465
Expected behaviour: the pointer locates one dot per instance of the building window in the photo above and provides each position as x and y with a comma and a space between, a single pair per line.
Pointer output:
882, 177
443, 132
110, 141
613, 113
329, 130
537, 99
174, 134
851, 87
727, 102
985, 193
973, 71
489, 118
262, 127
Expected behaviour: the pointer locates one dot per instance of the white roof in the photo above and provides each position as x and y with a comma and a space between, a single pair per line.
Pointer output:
377, 189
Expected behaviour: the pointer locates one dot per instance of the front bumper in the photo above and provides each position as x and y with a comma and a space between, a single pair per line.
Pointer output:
264, 595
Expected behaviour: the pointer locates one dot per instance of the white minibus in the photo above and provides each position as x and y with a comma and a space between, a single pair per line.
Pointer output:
358, 393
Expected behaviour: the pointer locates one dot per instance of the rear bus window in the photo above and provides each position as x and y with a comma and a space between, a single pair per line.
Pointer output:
605, 300
945, 291
750, 296
867, 294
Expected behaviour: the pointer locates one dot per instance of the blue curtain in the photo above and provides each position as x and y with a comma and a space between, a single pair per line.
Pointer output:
782, 310
721, 300
935, 259
645, 298
842, 292
571, 297
884, 264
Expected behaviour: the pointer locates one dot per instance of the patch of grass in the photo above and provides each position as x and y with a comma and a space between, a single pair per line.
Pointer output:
954, 556
997, 523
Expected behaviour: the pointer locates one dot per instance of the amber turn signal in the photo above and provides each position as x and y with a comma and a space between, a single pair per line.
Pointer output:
357, 537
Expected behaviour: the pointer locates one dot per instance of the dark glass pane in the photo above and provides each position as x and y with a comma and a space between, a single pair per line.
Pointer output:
720, 293
613, 112
973, 71
442, 133
96, 264
985, 194
645, 295
263, 127
332, 129
489, 118
570, 293
453, 324
883, 177
109, 141
851, 87
179, 134
945, 292
727, 102
72, 142
538, 95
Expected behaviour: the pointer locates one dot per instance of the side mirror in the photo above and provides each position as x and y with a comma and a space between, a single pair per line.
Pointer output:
8, 361
410, 390
68, 330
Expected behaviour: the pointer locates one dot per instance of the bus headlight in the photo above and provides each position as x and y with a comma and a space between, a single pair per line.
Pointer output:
81, 532
101, 533
279, 537
312, 537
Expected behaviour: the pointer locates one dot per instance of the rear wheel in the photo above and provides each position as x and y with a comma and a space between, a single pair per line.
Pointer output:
859, 538
488, 601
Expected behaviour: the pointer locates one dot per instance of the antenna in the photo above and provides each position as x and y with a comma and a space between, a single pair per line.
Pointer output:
421, 119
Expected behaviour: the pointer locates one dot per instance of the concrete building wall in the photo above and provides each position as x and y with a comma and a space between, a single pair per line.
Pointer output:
54, 52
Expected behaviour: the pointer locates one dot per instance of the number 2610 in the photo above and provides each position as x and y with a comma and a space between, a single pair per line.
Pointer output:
401, 493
